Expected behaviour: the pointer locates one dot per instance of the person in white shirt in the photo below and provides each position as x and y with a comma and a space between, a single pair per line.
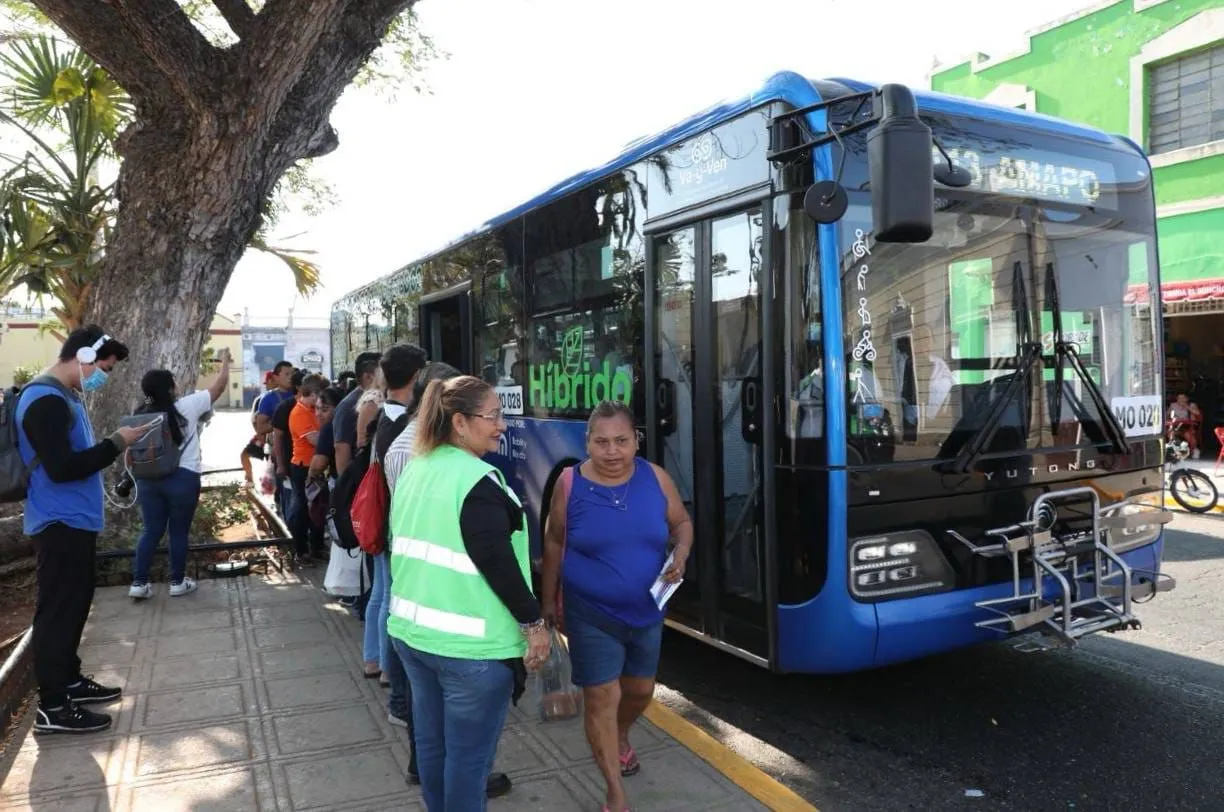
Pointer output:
170, 503
399, 453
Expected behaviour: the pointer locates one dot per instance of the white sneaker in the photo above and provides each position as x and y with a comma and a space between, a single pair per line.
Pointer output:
140, 592
184, 587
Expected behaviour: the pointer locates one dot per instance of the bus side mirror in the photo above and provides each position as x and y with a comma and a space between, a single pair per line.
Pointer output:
901, 167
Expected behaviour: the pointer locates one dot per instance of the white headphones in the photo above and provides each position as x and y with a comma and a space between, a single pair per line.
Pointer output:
87, 355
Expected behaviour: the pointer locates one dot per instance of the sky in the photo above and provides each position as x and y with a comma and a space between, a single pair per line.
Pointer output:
534, 91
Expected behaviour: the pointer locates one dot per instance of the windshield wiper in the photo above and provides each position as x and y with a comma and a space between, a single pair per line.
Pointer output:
1064, 350
1028, 356
1028, 353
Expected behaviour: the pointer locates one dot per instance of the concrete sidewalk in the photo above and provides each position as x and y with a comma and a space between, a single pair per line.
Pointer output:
248, 696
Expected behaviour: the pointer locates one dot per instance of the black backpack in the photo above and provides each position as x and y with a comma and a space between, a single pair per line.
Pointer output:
14, 473
340, 505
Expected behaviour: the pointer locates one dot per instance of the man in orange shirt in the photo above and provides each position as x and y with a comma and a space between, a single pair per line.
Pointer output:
304, 432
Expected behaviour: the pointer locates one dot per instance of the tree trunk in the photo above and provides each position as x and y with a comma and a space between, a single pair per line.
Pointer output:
215, 130
187, 211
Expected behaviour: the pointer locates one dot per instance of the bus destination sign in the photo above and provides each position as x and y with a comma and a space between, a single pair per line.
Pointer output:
1036, 174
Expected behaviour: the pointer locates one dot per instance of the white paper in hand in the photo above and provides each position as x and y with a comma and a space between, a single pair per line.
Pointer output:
660, 590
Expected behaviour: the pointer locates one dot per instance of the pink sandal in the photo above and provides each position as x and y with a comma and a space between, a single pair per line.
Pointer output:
629, 763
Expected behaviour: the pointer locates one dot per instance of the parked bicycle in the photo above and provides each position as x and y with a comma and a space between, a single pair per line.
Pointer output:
1191, 488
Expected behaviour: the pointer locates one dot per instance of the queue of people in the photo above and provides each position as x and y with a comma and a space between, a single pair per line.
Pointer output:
452, 626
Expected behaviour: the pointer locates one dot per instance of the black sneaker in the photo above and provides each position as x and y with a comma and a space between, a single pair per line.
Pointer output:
69, 719
88, 692
497, 785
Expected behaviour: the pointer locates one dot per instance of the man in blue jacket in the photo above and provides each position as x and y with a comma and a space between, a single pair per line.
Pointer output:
63, 515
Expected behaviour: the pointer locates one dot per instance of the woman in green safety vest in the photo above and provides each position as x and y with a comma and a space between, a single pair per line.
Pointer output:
463, 617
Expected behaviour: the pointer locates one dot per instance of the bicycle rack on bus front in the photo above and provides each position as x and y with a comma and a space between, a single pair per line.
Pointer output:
1085, 600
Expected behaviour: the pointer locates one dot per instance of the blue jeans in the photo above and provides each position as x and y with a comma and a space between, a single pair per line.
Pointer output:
458, 708
167, 503
603, 649
376, 643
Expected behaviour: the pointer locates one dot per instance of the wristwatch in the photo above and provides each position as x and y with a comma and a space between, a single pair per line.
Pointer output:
534, 626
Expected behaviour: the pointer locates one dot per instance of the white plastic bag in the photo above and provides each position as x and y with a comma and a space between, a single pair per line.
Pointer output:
343, 578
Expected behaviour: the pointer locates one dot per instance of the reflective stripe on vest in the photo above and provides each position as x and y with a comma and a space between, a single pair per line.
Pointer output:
440, 603
436, 619
434, 554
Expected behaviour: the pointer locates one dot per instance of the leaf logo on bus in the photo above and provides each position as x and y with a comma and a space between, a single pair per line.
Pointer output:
571, 351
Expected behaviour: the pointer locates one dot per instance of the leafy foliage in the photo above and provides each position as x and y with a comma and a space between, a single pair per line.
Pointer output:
55, 214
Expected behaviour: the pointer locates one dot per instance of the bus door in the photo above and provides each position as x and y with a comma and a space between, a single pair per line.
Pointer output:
446, 326
705, 419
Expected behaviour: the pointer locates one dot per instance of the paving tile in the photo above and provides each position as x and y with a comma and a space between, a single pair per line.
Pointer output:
545, 793
312, 689
195, 670
195, 704
342, 780
671, 779
293, 634
196, 621
89, 802
121, 652
81, 763
281, 594
233, 791
194, 748
518, 753
324, 729
247, 687
217, 595
325, 657
104, 630
216, 641
277, 614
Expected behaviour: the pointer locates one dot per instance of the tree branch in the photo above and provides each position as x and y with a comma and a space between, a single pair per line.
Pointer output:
290, 35
302, 128
238, 15
96, 27
150, 46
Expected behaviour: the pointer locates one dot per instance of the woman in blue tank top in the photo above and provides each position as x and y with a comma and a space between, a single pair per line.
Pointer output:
609, 527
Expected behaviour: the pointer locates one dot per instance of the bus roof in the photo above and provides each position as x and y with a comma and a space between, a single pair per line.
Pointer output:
783, 86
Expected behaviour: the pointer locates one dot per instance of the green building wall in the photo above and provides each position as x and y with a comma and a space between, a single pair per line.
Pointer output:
1081, 69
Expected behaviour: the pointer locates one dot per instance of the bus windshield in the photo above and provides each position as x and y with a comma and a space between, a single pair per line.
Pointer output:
936, 332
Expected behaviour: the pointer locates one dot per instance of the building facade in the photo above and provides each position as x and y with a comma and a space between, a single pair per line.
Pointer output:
26, 350
305, 346
1152, 70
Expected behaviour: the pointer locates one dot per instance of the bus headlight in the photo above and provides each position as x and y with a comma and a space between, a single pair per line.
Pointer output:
897, 565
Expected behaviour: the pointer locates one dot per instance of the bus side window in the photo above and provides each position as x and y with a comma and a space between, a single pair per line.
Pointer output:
499, 329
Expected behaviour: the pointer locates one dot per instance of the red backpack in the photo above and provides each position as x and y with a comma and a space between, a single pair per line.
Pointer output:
369, 510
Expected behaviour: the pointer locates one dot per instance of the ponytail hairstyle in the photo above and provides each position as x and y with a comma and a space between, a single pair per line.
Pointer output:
436, 371
158, 388
441, 402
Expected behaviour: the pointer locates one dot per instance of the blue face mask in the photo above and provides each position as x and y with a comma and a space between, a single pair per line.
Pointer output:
94, 381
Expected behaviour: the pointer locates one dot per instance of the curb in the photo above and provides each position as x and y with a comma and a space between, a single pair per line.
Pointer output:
1171, 503
735, 767
738, 770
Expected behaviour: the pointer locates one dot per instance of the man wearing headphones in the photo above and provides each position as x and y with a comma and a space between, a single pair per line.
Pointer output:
63, 515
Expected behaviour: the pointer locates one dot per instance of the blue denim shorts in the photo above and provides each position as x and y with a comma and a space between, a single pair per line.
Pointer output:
603, 649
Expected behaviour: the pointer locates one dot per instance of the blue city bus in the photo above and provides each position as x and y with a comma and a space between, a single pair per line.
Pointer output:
903, 365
